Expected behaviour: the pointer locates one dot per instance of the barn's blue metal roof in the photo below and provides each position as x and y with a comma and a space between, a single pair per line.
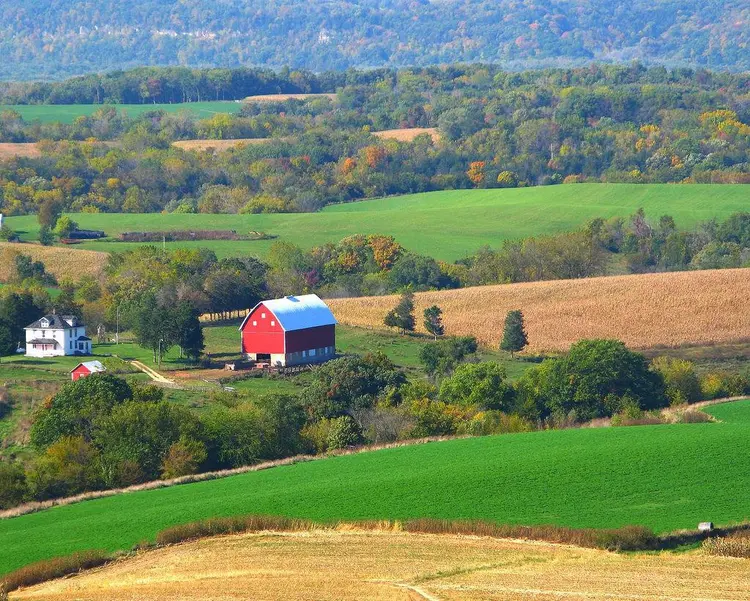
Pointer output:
297, 312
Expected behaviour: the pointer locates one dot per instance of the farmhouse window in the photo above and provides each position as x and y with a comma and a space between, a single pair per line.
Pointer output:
312, 352
304, 353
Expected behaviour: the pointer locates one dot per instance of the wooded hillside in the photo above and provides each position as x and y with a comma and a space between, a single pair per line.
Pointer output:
54, 39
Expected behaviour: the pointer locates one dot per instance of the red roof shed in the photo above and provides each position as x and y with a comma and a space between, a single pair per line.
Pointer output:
287, 331
86, 369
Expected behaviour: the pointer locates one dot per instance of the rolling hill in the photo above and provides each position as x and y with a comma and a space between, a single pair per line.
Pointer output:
644, 311
664, 477
447, 225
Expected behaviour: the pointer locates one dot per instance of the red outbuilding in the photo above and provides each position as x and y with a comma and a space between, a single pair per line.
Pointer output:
86, 369
293, 330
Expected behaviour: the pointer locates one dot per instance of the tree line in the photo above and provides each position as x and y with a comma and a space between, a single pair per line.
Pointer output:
497, 129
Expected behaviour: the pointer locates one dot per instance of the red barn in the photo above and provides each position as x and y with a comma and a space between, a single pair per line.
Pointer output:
293, 330
86, 369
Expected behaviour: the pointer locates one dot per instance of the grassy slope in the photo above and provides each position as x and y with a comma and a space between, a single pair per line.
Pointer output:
67, 113
661, 476
447, 225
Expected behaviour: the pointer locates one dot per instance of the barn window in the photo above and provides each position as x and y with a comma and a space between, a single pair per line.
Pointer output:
255, 323
263, 315
273, 323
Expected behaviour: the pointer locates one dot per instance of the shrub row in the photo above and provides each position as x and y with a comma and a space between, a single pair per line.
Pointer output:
180, 235
736, 544
50, 569
627, 538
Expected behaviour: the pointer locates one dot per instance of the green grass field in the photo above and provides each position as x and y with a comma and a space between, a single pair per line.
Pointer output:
446, 225
665, 477
67, 113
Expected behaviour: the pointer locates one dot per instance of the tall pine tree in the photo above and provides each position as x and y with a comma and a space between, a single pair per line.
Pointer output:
433, 321
514, 334
402, 316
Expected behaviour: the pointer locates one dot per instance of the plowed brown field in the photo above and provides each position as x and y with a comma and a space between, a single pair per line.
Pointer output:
644, 311
373, 566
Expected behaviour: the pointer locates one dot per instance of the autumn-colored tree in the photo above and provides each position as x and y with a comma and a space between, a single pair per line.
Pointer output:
385, 250
476, 172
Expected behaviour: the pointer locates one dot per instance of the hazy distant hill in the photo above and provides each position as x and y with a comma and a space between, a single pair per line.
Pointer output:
54, 38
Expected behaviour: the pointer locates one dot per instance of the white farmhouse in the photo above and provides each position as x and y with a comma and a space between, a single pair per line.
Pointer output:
57, 335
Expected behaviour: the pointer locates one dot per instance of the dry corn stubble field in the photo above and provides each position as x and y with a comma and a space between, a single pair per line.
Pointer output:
644, 311
355, 565
60, 261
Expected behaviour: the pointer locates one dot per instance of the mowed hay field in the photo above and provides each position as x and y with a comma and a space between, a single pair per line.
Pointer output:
644, 311
9, 150
665, 477
62, 262
356, 566
219, 145
408, 134
446, 225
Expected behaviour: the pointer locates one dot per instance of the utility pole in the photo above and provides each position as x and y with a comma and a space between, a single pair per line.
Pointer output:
117, 331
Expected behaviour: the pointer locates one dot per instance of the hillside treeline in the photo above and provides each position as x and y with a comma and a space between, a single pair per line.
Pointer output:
52, 39
102, 432
496, 129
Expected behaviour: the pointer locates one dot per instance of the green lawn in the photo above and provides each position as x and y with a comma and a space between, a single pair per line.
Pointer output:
665, 477
447, 225
67, 113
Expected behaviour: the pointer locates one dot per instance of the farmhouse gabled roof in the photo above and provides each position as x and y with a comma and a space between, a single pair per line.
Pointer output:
297, 312
56, 322
92, 366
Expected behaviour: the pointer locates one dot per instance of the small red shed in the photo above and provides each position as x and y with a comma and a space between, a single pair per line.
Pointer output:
86, 369
293, 330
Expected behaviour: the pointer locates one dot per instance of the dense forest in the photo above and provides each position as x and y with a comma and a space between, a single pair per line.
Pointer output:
46, 38
495, 129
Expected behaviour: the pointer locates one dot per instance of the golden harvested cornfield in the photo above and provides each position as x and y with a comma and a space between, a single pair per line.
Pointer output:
644, 311
355, 565
9, 150
60, 261
407, 135
219, 145
283, 97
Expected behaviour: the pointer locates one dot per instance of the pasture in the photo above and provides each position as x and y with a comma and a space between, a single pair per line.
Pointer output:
664, 477
644, 311
447, 225
356, 565
68, 113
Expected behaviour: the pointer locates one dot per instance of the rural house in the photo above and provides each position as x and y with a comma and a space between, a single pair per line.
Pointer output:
57, 335
294, 330
86, 369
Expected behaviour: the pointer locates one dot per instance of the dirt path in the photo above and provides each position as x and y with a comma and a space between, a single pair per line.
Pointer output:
153, 374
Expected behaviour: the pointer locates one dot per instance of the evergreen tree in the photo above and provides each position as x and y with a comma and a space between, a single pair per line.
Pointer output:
514, 334
433, 321
402, 316
189, 333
